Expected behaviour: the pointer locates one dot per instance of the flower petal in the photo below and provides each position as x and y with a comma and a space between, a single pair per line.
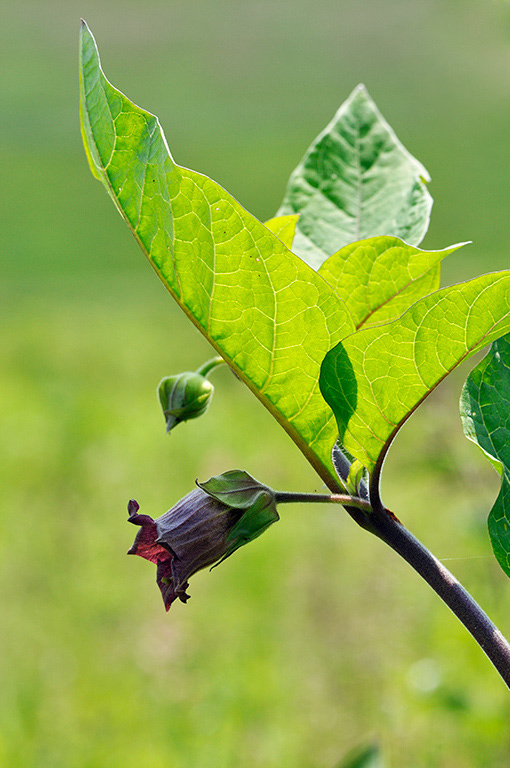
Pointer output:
145, 544
165, 580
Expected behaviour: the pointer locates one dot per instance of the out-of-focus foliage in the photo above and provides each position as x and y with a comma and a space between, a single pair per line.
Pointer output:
264, 666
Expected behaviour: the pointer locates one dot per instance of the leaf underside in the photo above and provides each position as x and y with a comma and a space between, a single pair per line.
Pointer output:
270, 316
380, 278
356, 181
485, 414
376, 378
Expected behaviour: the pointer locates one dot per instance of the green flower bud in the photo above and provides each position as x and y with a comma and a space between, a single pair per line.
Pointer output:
184, 396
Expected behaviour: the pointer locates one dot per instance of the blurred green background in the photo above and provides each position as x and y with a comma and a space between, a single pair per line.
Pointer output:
313, 639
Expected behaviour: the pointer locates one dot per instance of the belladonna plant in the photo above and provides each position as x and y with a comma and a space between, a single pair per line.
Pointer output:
329, 312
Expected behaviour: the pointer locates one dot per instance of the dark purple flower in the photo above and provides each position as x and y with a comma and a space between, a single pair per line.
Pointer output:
201, 530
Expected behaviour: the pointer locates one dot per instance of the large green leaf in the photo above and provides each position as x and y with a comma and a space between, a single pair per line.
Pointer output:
485, 414
356, 181
267, 313
381, 277
375, 379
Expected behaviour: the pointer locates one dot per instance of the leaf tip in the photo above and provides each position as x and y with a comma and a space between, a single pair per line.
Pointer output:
84, 28
361, 92
86, 37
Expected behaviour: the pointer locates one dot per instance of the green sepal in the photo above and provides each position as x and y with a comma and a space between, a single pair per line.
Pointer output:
239, 490
236, 488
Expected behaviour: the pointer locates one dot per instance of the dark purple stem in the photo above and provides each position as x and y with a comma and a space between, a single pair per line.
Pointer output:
383, 524
467, 610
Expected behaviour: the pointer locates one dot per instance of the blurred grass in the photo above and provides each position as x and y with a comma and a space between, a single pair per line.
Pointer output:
313, 638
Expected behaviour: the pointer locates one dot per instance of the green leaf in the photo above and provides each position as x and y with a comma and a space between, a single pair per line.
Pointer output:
364, 757
375, 379
355, 477
381, 277
268, 314
356, 181
485, 414
284, 227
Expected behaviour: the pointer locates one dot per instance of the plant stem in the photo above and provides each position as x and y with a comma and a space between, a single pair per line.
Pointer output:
285, 497
388, 528
467, 610
207, 367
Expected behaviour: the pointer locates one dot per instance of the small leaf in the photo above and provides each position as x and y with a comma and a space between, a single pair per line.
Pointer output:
377, 377
364, 757
284, 227
355, 477
268, 314
485, 414
381, 277
356, 181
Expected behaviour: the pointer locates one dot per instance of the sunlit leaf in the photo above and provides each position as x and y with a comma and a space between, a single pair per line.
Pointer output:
284, 227
485, 414
356, 181
265, 311
381, 277
376, 378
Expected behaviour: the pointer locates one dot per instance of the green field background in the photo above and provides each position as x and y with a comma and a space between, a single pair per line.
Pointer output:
313, 639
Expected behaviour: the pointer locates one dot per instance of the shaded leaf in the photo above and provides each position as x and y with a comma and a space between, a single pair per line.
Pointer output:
356, 181
375, 379
381, 277
269, 315
485, 414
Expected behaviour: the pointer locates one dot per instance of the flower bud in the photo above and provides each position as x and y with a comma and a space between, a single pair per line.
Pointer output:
202, 529
184, 396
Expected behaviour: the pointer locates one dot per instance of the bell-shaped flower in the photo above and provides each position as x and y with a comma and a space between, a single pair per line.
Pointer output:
202, 529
